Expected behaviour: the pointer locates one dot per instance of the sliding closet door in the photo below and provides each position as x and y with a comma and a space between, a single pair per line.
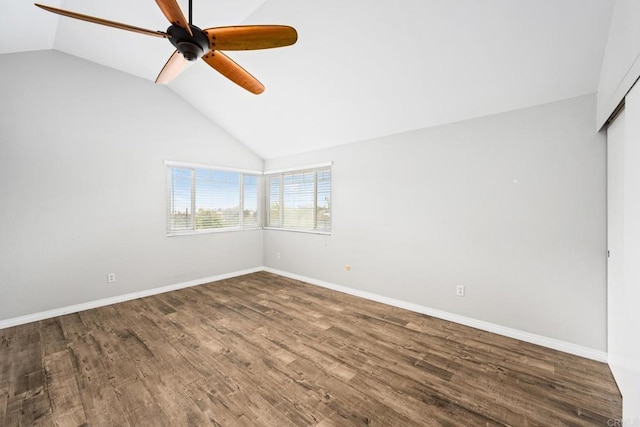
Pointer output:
615, 233
623, 150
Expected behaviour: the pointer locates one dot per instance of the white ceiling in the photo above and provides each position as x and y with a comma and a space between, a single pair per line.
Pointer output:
361, 69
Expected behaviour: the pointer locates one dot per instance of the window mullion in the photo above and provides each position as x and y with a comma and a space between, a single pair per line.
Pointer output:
241, 213
193, 199
315, 200
260, 207
171, 201
281, 201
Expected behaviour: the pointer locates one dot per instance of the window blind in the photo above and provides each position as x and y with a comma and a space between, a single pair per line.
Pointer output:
300, 200
250, 197
208, 199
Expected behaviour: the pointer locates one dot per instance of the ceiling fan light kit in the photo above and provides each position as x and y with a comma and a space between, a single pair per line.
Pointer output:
192, 43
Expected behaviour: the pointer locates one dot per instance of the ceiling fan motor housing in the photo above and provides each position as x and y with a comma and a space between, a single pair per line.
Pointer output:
191, 47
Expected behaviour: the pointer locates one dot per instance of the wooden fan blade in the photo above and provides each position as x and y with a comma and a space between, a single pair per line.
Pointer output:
250, 37
172, 68
102, 21
174, 14
228, 68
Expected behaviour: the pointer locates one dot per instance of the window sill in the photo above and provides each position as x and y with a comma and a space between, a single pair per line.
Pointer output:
297, 230
230, 230
209, 231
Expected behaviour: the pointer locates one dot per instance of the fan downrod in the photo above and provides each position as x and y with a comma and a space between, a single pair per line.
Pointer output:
191, 47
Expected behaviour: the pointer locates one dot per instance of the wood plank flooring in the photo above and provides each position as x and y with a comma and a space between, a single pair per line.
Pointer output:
263, 350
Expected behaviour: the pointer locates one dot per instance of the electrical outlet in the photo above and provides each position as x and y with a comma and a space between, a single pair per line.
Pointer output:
278, 255
460, 290
111, 277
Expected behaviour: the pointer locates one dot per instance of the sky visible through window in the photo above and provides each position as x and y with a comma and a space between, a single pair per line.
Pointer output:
217, 189
214, 189
181, 188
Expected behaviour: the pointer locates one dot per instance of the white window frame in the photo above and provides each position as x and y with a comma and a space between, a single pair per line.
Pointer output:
281, 172
193, 166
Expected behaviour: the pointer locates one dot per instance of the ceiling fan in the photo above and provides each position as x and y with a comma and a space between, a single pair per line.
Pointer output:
192, 42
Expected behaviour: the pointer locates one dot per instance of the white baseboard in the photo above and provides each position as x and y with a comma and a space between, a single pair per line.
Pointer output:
7, 323
555, 344
474, 323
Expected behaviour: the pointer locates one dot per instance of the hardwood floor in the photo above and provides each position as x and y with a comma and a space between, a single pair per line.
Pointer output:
263, 350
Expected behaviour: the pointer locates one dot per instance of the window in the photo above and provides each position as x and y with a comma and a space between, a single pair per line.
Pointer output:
203, 198
300, 200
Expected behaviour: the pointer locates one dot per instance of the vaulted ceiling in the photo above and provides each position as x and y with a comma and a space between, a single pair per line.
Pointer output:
360, 69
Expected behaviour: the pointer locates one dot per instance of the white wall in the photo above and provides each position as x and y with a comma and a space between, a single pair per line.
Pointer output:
621, 65
83, 187
623, 141
513, 206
